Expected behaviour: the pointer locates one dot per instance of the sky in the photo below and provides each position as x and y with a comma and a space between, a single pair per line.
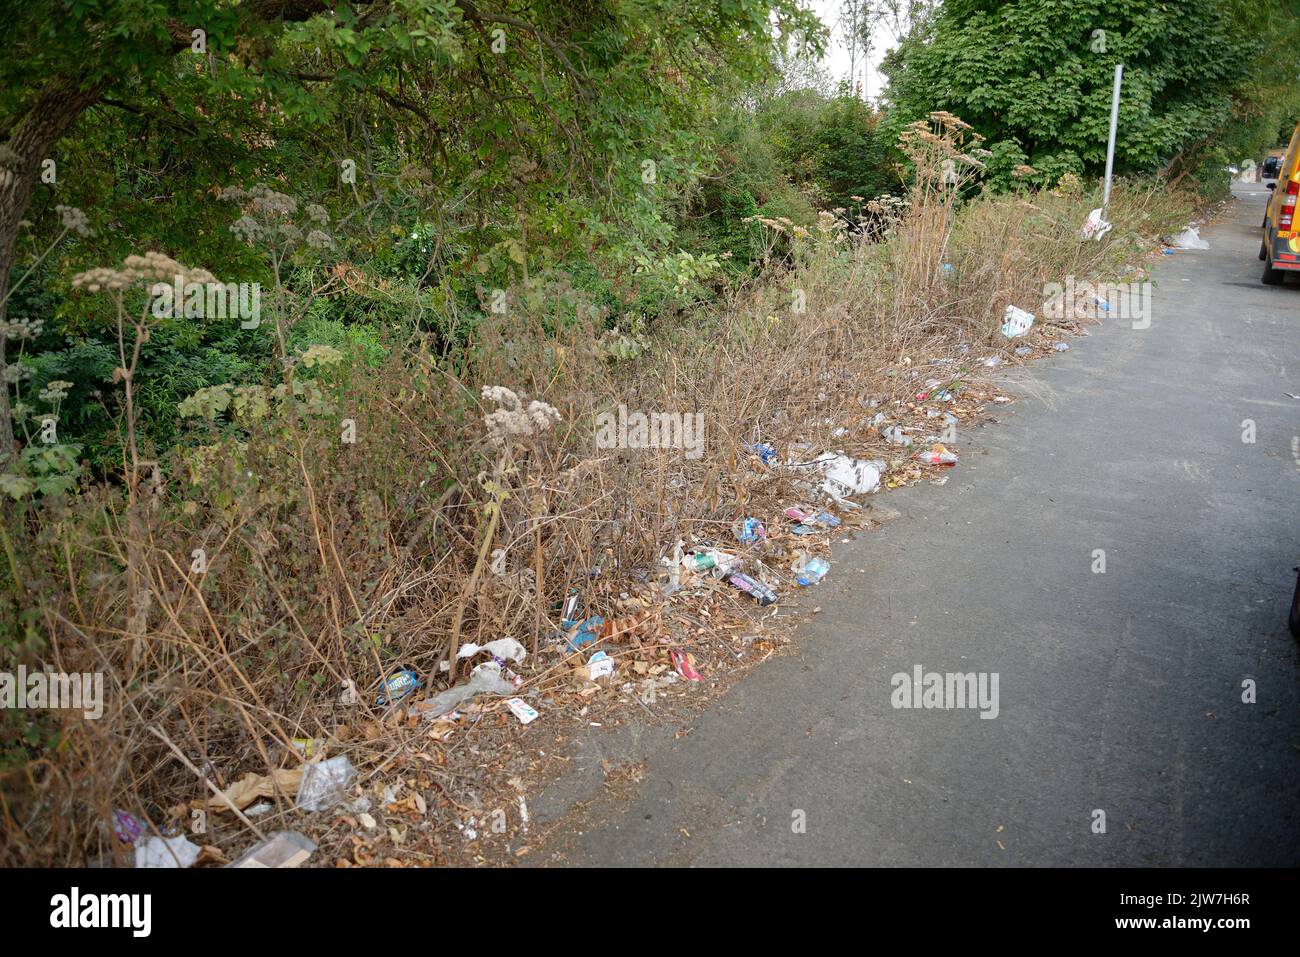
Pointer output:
836, 59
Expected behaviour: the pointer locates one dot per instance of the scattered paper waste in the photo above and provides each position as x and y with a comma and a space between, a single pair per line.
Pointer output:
166, 852
600, 665
253, 786
285, 850
1016, 322
522, 710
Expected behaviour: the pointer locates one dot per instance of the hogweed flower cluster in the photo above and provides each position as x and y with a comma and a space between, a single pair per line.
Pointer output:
55, 391
512, 419
21, 328
268, 214
74, 220
780, 224
152, 267
261, 201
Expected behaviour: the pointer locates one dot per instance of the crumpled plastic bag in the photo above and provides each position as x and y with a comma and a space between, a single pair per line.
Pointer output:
1095, 227
844, 476
166, 852
1189, 238
506, 648
326, 783
484, 679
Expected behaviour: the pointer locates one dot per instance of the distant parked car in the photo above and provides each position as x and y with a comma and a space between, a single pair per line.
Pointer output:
1272, 164
1280, 248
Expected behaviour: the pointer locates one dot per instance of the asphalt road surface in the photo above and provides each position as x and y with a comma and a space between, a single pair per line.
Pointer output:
1118, 691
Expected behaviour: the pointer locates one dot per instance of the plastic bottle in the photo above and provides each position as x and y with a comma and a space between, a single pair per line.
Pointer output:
812, 571
705, 559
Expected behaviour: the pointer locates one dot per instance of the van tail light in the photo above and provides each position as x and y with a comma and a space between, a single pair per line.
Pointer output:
1288, 205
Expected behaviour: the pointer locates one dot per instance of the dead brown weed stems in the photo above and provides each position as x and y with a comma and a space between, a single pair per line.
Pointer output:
327, 562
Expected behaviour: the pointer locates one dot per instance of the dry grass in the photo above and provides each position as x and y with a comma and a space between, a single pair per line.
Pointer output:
330, 562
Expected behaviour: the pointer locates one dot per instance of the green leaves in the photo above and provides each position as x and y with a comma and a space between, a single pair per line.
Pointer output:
1037, 74
43, 470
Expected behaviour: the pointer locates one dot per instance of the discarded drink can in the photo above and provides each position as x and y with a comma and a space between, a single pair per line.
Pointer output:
397, 686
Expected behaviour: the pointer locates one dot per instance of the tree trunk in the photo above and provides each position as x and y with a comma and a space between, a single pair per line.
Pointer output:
30, 142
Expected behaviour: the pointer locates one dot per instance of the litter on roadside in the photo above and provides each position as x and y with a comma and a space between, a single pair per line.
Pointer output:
253, 786
126, 827
600, 665
844, 476
282, 851
522, 710
166, 852
1016, 322
937, 454
586, 632
684, 664
486, 678
812, 571
752, 587
709, 559
325, 784
397, 686
1095, 227
1189, 238
507, 649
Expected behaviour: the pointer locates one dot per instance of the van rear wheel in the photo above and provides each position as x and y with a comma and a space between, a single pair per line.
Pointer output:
1271, 276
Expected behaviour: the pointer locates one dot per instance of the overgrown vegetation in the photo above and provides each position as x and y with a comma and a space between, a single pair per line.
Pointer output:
451, 211
1207, 82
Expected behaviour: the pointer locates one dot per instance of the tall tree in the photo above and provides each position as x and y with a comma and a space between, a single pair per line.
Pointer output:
477, 84
1035, 76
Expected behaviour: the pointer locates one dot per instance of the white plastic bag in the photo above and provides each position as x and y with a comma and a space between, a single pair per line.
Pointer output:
844, 476
325, 783
1095, 227
507, 648
486, 678
1189, 238
166, 852
1016, 322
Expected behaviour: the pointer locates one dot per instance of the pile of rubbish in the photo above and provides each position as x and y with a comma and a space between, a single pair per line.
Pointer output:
693, 619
